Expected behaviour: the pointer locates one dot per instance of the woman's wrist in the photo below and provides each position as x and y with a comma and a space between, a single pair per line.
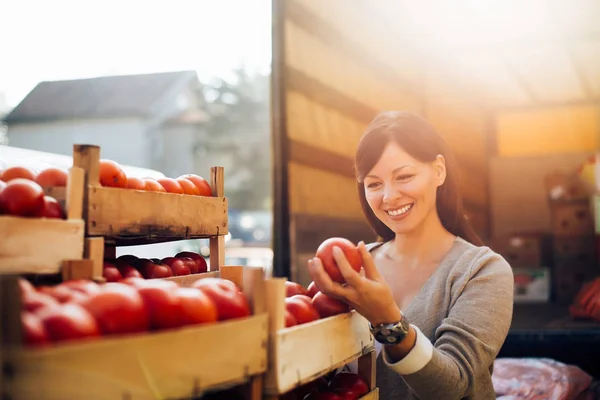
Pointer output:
391, 316
398, 351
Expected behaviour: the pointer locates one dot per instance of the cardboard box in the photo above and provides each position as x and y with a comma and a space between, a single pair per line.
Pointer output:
532, 285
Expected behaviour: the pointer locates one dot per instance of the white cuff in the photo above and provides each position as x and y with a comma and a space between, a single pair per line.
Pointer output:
416, 359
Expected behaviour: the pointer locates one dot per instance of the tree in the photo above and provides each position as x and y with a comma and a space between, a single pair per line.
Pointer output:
238, 129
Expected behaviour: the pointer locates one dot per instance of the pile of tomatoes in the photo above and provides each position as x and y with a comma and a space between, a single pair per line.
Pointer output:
22, 192
130, 266
82, 309
112, 175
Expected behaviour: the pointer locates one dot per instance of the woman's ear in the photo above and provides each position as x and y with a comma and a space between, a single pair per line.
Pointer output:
439, 166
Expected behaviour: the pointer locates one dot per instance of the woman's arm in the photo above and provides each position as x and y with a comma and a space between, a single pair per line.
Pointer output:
467, 341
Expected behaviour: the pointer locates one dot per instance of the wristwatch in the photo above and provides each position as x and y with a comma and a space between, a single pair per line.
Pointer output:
390, 333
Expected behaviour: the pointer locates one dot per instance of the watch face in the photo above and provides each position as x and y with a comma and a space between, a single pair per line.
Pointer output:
391, 333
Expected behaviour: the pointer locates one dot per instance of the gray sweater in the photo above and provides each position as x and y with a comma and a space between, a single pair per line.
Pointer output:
462, 316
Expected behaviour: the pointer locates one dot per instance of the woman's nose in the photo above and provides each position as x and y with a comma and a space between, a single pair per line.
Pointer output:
389, 194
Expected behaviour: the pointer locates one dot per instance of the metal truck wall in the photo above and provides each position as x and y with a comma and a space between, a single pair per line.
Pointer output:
329, 80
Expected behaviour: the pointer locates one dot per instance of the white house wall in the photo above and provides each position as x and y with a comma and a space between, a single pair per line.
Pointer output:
122, 140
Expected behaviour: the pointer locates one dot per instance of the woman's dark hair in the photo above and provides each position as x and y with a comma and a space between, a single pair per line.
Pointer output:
418, 138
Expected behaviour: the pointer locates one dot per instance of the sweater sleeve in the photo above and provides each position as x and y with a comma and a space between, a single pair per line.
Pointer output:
468, 339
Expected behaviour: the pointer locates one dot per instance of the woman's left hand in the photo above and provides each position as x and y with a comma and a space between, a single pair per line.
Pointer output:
369, 295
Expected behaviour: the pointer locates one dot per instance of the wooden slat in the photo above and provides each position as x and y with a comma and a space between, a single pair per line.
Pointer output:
173, 364
321, 159
217, 243
188, 280
336, 195
38, 245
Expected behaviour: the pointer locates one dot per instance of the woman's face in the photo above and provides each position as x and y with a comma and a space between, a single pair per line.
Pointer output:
401, 190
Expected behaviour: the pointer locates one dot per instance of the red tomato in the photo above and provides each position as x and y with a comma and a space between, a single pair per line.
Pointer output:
170, 185
161, 301
112, 175
118, 308
325, 253
348, 385
34, 333
200, 261
68, 321
302, 297
52, 208
135, 183
34, 301
290, 320
301, 310
196, 307
328, 306
201, 183
82, 286
127, 259
23, 198
111, 273
188, 187
151, 270
230, 302
179, 266
60, 293
293, 288
18, 172
153, 186
312, 290
52, 177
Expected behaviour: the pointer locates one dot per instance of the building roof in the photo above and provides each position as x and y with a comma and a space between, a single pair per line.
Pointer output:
103, 97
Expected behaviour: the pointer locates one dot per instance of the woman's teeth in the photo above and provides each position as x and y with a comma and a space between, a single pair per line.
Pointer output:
400, 211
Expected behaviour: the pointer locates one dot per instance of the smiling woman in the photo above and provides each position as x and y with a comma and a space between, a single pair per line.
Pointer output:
428, 285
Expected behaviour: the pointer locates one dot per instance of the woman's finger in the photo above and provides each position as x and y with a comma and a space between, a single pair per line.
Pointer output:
371, 271
352, 277
324, 282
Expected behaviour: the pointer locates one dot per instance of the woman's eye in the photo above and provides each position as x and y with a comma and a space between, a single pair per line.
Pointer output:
372, 185
404, 177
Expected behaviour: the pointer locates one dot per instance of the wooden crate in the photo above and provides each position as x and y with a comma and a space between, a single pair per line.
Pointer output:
180, 363
127, 216
303, 353
46, 245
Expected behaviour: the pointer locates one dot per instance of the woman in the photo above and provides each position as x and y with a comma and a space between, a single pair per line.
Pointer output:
438, 301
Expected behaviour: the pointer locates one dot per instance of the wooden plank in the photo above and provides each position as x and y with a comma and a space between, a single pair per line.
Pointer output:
188, 280
372, 395
173, 364
38, 245
334, 342
126, 213
217, 243
78, 269
367, 368
300, 82
75, 193
94, 250
322, 159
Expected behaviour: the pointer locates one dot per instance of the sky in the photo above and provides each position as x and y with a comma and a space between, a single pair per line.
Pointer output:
68, 39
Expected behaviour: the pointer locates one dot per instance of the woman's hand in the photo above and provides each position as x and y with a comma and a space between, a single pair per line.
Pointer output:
369, 295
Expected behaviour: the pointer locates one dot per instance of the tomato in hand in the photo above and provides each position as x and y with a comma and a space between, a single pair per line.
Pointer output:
230, 302
52, 177
303, 312
22, 197
111, 174
153, 186
170, 185
198, 259
118, 308
293, 288
201, 183
18, 172
195, 307
68, 321
135, 183
325, 253
188, 187
52, 208
327, 306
